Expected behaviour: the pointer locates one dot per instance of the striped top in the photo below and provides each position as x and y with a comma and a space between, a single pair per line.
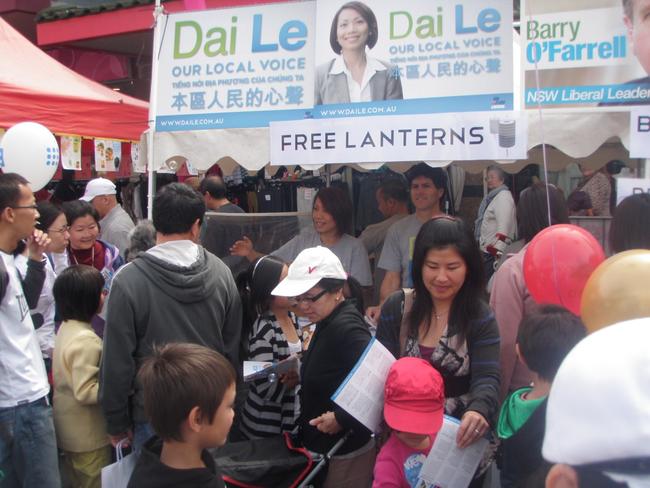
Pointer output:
270, 408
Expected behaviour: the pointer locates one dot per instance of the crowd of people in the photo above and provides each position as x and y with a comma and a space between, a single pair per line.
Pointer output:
142, 332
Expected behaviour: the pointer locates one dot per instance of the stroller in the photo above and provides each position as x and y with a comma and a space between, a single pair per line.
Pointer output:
274, 462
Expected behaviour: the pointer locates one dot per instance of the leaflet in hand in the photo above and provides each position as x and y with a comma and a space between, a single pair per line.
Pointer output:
362, 393
447, 466
255, 370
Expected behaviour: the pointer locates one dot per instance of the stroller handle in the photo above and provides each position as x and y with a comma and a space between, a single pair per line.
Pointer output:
326, 459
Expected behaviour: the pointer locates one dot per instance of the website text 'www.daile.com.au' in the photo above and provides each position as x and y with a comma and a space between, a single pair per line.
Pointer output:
346, 112
192, 122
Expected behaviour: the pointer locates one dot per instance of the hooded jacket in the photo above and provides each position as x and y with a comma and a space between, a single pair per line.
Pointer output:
154, 302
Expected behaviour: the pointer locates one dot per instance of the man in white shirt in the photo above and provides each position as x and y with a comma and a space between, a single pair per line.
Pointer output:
115, 223
28, 455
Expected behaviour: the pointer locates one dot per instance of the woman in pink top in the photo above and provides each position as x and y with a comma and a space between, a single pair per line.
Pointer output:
509, 298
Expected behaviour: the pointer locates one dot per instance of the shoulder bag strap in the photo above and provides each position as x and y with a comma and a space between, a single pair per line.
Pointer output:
407, 304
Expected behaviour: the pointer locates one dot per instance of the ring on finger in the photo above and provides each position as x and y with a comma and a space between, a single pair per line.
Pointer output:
477, 431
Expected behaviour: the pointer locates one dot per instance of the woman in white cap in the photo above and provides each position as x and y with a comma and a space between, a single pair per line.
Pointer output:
314, 285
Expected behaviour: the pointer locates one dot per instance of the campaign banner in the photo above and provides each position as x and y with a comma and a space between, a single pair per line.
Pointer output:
249, 66
597, 55
438, 137
108, 154
71, 152
640, 132
423, 56
236, 67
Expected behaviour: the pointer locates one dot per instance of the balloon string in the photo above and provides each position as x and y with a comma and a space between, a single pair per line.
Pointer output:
545, 162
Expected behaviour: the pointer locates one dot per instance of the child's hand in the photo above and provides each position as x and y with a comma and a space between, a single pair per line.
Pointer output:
473, 426
326, 423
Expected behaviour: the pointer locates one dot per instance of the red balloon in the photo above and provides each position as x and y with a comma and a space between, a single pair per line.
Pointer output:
558, 263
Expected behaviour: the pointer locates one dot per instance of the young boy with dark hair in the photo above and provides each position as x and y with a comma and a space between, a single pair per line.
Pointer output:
545, 338
189, 393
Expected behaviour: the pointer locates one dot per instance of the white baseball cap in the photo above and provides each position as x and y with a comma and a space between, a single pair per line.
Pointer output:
599, 405
309, 267
97, 187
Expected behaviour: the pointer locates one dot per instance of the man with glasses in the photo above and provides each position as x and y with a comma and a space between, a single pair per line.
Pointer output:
28, 455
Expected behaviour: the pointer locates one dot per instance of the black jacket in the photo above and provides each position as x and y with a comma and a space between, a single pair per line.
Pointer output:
149, 472
334, 349
521, 454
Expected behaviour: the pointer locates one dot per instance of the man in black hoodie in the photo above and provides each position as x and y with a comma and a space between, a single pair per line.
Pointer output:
175, 292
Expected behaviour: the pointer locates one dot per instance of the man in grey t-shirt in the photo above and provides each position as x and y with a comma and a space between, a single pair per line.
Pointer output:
218, 236
427, 190
392, 201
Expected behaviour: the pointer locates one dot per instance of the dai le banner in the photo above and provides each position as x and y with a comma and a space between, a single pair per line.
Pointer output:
586, 53
250, 66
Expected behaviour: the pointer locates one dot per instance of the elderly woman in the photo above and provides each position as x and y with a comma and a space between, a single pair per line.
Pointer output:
314, 284
86, 248
510, 298
353, 76
445, 321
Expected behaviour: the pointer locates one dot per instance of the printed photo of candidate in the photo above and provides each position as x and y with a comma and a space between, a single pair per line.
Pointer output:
637, 21
353, 75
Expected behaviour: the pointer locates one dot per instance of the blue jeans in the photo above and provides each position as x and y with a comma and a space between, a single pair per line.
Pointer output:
28, 455
142, 432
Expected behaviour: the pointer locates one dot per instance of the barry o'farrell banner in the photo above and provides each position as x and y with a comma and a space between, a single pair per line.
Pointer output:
458, 136
640, 132
587, 53
236, 67
421, 56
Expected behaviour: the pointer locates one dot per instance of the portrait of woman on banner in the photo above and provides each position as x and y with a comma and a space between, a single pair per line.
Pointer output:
354, 76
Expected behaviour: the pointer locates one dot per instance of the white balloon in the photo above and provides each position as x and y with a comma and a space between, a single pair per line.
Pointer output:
30, 150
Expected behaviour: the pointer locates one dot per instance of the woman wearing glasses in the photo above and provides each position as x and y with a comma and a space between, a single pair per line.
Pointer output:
445, 320
314, 284
52, 221
86, 248
271, 407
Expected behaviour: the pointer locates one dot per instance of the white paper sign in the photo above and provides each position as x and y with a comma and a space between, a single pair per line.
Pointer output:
640, 132
362, 392
136, 161
630, 186
448, 466
71, 152
108, 154
433, 137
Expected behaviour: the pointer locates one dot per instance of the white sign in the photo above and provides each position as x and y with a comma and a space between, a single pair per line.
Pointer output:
362, 393
446, 56
435, 137
71, 152
630, 186
581, 54
236, 67
640, 132
447, 465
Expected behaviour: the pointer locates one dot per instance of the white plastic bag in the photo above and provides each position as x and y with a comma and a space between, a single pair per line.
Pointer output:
118, 474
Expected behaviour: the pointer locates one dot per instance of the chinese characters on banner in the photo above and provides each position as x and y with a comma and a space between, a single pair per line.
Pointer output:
250, 66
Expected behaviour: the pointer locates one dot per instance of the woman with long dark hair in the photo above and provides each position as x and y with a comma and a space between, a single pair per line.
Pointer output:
509, 297
445, 320
332, 218
271, 406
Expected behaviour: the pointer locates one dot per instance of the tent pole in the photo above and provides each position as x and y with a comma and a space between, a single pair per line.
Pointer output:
153, 102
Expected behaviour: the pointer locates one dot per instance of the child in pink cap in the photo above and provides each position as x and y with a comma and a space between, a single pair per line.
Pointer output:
414, 401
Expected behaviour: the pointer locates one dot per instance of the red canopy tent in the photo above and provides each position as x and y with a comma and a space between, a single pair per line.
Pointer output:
36, 87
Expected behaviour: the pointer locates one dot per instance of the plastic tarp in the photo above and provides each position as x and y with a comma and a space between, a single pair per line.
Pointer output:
35, 87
